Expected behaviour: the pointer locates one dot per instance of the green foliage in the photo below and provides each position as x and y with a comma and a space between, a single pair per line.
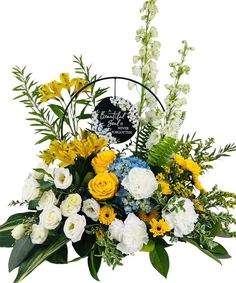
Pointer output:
20, 251
159, 259
145, 132
94, 263
60, 256
40, 255
110, 254
203, 152
40, 117
160, 154
85, 245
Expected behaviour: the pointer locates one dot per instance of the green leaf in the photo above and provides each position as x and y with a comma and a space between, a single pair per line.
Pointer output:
94, 263
39, 255
215, 229
160, 154
57, 110
6, 239
159, 259
84, 116
149, 247
219, 251
60, 256
191, 241
84, 246
47, 137
32, 205
45, 186
20, 251
87, 178
14, 220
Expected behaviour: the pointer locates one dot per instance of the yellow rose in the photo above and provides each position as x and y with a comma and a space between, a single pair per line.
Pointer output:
103, 186
101, 162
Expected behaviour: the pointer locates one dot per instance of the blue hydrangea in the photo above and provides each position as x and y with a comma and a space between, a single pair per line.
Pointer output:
122, 166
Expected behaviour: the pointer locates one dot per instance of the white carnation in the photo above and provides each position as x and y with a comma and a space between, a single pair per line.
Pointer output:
18, 232
62, 178
132, 234
91, 208
140, 182
116, 230
74, 227
71, 205
39, 234
50, 218
30, 189
182, 221
41, 165
47, 199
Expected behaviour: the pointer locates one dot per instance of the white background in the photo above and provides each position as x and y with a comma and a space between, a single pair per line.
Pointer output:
45, 34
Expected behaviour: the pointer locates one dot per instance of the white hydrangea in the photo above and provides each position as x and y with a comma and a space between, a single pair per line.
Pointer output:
182, 221
131, 234
140, 183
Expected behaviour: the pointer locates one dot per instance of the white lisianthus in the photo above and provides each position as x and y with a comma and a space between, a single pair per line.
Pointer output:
140, 183
132, 234
39, 234
116, 230
182, 221
30, 189
18, 232
91, 208
62, 178
71, 205
50, 218
47, 199
74, 227
41, 165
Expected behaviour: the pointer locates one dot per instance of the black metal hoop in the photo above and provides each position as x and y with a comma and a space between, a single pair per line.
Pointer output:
103, 79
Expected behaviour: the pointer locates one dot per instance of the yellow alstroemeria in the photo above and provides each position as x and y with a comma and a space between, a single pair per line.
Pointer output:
50, 91
79, 83
65, 81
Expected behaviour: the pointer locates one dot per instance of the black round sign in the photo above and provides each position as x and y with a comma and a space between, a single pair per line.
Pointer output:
115, 119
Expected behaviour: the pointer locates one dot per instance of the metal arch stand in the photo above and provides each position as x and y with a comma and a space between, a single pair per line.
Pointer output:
103, 79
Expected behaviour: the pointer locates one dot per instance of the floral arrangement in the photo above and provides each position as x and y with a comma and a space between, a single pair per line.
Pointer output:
111, 203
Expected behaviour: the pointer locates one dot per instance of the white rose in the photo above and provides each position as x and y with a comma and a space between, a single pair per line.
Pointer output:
30, 189
39, 234
134, 234
50, 218
91, 209
182, 221
74, 227
47, 199
116, 230
62, 178
71, 205
140, 182
18, 232
41, 165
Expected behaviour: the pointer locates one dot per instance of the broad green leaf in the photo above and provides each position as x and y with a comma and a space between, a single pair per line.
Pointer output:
149, 247
94, 263
6, 239
20, 251
87, 178
39, 255
84, 246
60, 256
219, 251
32, 205
205, 251
162, 242
160, 259
14, 220
215, 230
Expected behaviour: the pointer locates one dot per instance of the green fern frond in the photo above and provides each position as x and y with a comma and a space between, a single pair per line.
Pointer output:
144, 135
161, 153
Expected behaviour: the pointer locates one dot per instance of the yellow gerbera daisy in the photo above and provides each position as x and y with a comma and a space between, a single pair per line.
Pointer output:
159, 228
107, 215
